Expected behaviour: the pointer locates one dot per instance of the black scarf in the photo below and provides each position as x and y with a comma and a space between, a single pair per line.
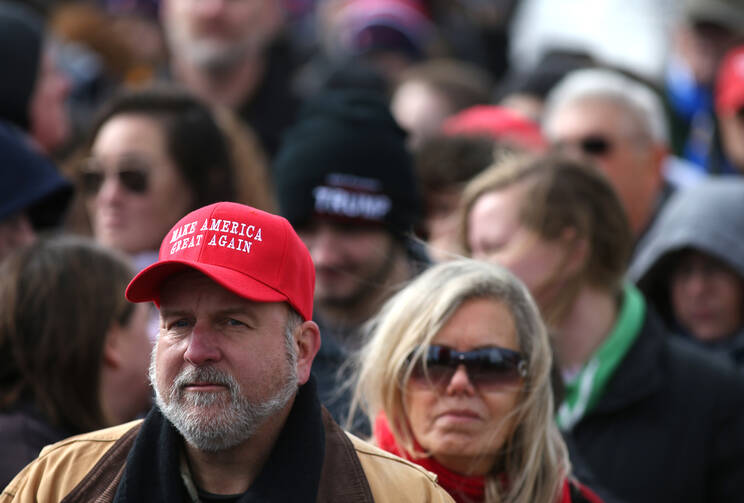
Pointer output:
291, 474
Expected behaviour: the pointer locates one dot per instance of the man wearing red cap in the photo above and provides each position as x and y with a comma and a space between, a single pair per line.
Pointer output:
237, 416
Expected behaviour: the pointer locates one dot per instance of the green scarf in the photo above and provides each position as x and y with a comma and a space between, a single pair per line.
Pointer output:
584, 390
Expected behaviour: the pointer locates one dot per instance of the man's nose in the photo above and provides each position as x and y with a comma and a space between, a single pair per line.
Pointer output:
326, 248
696, 281
203, 346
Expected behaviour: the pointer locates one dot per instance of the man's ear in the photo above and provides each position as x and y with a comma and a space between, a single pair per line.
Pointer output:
307, 338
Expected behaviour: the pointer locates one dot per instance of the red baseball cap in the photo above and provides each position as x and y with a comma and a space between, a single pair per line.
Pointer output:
497, 122
254, 254
730, 82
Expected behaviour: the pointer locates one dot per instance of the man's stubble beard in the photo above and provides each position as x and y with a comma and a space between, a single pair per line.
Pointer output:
216, 59
367, 287
237, 419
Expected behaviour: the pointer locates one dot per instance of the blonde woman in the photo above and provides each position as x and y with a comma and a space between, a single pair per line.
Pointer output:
456, 377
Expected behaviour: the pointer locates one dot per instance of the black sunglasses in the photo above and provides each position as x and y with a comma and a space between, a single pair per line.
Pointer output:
132, 174
486, 367
592, 145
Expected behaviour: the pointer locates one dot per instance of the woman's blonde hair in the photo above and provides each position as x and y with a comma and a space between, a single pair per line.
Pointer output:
562, 194
533, 459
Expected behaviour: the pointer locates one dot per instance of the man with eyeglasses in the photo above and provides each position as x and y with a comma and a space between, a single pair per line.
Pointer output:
238, 417
618, 124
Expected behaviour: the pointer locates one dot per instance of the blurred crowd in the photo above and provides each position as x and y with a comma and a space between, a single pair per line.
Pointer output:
594, 149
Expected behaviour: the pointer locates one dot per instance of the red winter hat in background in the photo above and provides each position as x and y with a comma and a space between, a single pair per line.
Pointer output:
499, 123
730, 83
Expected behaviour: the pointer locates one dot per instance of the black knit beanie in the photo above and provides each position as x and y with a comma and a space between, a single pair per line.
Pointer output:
21, 40
346, 159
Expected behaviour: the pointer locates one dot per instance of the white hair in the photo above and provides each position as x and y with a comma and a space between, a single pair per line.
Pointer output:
604, 84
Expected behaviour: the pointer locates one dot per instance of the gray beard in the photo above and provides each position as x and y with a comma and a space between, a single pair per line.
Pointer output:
238, 419
215, 60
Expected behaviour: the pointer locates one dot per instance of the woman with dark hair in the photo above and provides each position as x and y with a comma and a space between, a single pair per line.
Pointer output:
73, 352
155, 154
652, 419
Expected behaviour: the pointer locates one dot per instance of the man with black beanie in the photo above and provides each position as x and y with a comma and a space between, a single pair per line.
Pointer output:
345, 181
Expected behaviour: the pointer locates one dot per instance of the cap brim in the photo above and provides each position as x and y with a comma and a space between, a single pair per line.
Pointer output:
147, 284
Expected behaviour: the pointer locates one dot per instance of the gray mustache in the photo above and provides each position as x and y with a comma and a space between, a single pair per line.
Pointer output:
211, 375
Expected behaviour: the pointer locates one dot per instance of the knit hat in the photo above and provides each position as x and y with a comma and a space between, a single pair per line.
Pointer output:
21, 38
346, 159
254, 254
729, 94
30, 183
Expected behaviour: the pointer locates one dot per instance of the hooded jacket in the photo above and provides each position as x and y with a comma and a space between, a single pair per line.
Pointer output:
708, 217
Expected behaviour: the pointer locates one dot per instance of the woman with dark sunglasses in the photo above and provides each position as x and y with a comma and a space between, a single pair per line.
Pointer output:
651, 418
456, 377
154, 155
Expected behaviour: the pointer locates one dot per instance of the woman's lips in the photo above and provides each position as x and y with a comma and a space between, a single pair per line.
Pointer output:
459, 415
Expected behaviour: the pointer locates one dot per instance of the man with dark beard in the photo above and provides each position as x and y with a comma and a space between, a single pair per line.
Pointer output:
345, 181
237, 417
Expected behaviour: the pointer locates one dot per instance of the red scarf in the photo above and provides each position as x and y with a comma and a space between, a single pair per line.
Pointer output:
462, 488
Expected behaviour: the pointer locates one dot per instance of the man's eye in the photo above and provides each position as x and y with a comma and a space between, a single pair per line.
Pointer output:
178, 324
232, 322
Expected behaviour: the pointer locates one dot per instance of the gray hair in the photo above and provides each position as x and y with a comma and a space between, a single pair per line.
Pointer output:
598, 83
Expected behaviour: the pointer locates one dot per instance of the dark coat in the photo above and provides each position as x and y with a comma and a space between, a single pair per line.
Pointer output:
670, 425
23, 433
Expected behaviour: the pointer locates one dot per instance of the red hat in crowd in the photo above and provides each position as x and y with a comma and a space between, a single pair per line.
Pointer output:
499, 123
730, 83
254, 254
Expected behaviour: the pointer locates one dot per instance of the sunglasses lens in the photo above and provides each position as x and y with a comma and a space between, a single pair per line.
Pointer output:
131, 175
432, 372
90, 182
595, 145
496, 375
487, 367
134, 181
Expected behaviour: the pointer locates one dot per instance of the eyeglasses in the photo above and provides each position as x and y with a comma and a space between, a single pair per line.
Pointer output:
486, 367
592, 145
132, 172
